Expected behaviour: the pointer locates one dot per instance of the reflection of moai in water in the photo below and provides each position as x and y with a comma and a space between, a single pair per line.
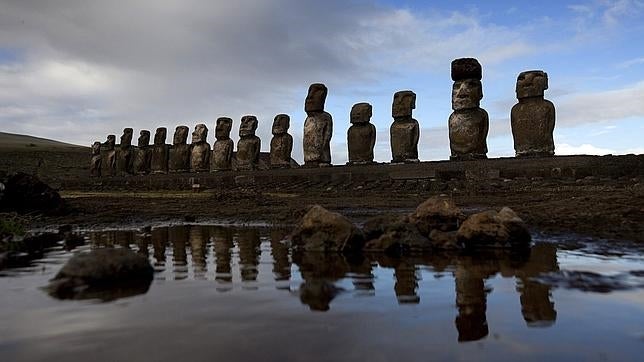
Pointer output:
404, 131
536, 306
222, 150
200, 150
223, 246
143, 154
249, 144
533, 118
280, 254
125, 154
96, 161
281, 143
318, 128
406, 283
198, 237
159, 244
160, 152
468, 124
249, 253
179, 160
110, 154
471, 301
361, 136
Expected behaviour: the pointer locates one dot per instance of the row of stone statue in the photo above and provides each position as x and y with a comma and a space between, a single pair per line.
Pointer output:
532, 121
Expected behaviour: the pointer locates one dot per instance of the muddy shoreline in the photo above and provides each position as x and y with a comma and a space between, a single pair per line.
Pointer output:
608, 209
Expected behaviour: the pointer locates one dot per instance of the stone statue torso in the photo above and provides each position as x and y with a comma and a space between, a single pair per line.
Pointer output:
318, 129
361, 139
468, 131
281, 148
533, 122
200, 157
142, 159
248, 152
159, 162
222, 153
179, 158
404, 140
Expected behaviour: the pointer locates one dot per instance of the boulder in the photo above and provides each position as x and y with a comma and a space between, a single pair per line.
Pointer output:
438, 213
106, 274
323, 230
400, 238
494, 229
375, 226
26, 193
444, 240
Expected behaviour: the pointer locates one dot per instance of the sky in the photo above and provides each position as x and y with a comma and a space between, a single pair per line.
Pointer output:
77, 70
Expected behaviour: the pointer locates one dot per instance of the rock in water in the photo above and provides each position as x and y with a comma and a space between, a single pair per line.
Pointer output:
494, 229
438, 213
323, 230
105, 274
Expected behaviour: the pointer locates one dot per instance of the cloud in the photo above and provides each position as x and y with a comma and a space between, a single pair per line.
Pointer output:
91, 68
630, 63
588, 149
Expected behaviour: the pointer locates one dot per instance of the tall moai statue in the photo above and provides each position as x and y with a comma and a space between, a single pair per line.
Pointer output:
361, 136
110, 154
533, 118
468, 124
222, 150
281, 143
96, 161
160, 152
179, 160
200, 150
404, 131
249, 144
143, 154
125, 154
318, 128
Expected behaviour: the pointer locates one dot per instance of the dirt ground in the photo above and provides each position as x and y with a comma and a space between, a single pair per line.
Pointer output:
611, 209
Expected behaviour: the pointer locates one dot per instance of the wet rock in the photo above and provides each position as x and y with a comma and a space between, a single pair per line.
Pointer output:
26, 193
323, 230
103, 273
444, 240
375, 226
494, 229
400, 238
438, 213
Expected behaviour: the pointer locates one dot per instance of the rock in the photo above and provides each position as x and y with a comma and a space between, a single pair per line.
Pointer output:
438, 213
494, 229
444, 240
400, 238
103, 273
375, 226
322, 230
26, 193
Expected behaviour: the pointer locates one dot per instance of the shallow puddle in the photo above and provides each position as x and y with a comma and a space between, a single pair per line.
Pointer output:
227, 294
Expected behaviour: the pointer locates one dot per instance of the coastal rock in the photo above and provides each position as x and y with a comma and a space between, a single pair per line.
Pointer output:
323, 230
494, 229
400, 238
438, 213
104, 274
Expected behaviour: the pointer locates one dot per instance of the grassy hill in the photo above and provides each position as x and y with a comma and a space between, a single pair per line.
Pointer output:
19, 141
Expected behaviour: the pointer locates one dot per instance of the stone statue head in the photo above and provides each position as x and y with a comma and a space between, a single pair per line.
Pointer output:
466, 94
180, 135
111, 141
126, 138
223, 127
144, 138
281, 123
361, 113
200, 134
466, 68
532, 83
248, 126
160, 135
404, 103
96, 148
315, 98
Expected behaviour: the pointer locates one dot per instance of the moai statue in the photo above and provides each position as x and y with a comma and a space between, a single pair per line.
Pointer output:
179, 160
143, 154
96, 160
404, 131
468, 124
200, 150
318, 128
533, 118
110, 154
125, 154
249, 145
361, 136
222, 150
281, 143
160, 152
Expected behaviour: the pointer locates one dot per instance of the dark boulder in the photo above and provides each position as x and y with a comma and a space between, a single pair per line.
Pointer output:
494, 229
26, 193
436, 213
105, 274
323, 230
